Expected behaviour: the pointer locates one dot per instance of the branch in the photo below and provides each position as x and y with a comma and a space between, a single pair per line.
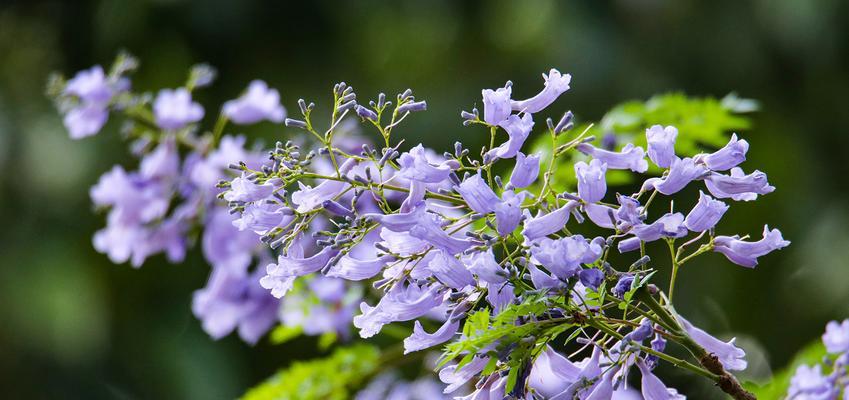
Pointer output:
727, 382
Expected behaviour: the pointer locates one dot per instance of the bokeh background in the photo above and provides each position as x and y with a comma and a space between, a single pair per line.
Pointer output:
72, 325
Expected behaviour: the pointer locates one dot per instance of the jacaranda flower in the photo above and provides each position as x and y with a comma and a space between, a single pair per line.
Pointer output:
526, 170
746, 253
496, 104
705, 214
257, 104
738, 186
174, 109
591, 181
730, 156
661, 145
631, 157
555, 85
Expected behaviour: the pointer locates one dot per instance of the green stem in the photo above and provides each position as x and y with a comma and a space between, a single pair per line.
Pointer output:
675, 264
218, 130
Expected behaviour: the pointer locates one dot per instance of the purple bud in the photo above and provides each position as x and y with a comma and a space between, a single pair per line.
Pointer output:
565, 123
412, 107
295, 123
365, 113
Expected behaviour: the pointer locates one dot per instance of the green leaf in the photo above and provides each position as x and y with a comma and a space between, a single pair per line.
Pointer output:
331, 378
326, 340
283, 333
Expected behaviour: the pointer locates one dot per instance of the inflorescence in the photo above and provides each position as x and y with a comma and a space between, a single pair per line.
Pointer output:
495, 258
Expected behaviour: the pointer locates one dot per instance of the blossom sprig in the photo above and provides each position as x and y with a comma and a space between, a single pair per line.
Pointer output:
494, 267
500, 259
171, 202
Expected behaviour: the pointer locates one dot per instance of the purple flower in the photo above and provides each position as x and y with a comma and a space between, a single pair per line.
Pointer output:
421, 340
257, 104
518, 129
425, 226
244, 190
163, 162
133, 199
541, 280
496, 104
356, 269
224, 246
458, 378
401, 303
623, 285
591, 278
661, 145
653, 388
727, 157
591, 183
526, 170
174, 109
230, 301
91, 86
450, 271
415, 166
552, 373
681, 173
168, 237
669, 225
508, 212
640, 333
731, 356
500, 296
836, 337
629, 212
563, 257
745, 253
705, 214
262, 217
738, 186
402, 243
478, 195
492, 387
555, 85
601, 215
310, 198
331, 313
809, 383
484, 265
280, 276
545, 224
657, 344
85, 120
631, 157
603, 389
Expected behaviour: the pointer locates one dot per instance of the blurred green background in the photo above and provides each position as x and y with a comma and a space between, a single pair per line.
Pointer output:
72, 325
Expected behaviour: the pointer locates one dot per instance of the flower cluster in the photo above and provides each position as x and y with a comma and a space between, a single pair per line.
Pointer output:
161, 206
812, 382
448, 233
485, 252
